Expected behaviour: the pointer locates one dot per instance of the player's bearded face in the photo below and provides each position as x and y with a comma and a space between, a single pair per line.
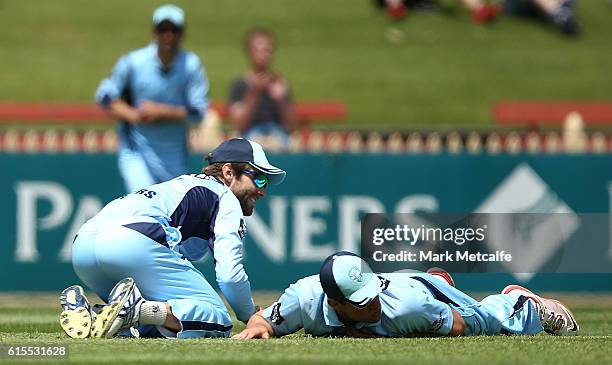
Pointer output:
247, 194
247, 201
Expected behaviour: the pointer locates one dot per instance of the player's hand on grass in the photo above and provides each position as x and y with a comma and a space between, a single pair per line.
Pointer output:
257, 327
257, 331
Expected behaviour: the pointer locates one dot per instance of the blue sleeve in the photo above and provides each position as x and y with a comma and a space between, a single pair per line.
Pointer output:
227, 249
285, 315
438, 316
196, 90
112, 87
424, 314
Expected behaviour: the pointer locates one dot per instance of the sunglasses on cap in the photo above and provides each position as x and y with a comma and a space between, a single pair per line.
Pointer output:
260, 180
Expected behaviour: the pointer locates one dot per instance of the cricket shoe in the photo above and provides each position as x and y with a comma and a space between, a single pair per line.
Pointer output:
76, 316
122, 311
555, 317
441, 274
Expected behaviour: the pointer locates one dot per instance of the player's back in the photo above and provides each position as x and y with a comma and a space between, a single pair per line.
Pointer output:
188, 202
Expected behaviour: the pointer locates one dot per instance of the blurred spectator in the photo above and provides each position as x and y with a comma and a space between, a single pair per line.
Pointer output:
481, 11
260, 100
560, 13
154, 91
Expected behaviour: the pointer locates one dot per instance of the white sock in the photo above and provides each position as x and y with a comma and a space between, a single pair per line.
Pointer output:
153, 313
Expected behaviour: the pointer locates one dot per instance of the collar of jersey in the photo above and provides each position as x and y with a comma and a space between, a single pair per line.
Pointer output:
158, 63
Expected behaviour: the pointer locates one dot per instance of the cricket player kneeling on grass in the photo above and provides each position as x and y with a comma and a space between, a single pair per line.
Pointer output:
348, 299
135, 254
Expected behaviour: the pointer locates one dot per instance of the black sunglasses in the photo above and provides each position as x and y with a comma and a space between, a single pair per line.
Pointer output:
164, 29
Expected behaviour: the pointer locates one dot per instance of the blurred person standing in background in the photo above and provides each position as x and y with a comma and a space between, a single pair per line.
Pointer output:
154, 92
260, 100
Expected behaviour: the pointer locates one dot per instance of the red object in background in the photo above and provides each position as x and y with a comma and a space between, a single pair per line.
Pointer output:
551, 112
51, 112
397, 11
486, 13
321, 110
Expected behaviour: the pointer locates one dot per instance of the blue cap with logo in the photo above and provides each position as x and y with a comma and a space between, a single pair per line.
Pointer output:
170, 13
345, 276
244, 150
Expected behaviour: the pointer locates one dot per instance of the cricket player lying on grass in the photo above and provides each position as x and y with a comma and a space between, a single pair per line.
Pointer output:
135, 254
348, 299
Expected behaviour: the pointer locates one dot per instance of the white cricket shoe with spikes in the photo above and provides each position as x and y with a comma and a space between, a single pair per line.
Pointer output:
122, 311
76, 316
556, 318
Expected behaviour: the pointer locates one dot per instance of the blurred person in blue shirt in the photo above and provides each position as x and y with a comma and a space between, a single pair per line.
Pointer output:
154, 92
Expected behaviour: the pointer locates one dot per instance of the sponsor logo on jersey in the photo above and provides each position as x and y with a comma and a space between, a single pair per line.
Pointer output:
384, 283
242, 229
275, 316
437, 324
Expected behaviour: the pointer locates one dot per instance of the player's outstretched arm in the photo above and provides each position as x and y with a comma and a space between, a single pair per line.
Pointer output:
257, 327
458, 324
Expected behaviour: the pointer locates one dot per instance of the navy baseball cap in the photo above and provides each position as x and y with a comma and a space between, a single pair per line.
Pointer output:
345, 276
170, 13
244, 150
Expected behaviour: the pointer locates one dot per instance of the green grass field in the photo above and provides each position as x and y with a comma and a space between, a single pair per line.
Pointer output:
442, 69
31, 319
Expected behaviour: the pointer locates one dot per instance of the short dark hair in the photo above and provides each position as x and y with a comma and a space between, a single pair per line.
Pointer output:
258, 32
215, 169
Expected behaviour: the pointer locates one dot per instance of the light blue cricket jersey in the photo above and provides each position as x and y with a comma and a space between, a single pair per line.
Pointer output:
411, 304
140, 75
408, 307
191, 214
